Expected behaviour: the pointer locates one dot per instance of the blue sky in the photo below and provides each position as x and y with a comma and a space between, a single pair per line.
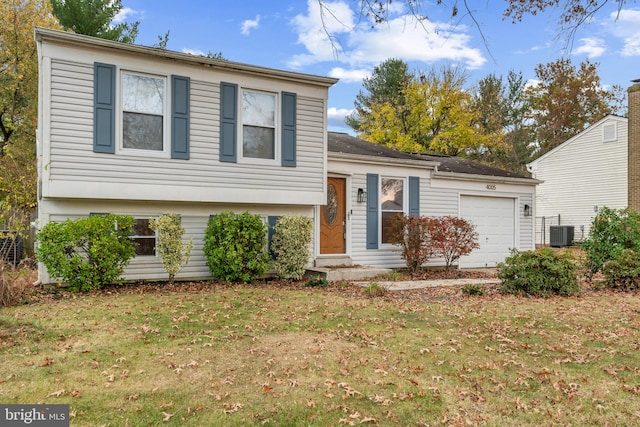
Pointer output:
288, 34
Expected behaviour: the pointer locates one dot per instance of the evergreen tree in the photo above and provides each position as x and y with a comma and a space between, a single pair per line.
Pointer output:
95, 18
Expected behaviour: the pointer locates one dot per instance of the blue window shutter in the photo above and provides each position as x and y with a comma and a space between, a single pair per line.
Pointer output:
288, 129
414, 196
180, 89
372, 211
228, 122
273, 220
104, 108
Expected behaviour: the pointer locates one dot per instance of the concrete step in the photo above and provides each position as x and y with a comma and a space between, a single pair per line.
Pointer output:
333, 260
336, 274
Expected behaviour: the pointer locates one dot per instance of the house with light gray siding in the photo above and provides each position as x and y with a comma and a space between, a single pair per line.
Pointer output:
382, 182
142, 131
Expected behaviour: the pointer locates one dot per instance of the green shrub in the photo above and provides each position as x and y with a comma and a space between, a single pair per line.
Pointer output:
169, 244
394, 276
374, 289
234, 246
290, 246
612, 231
316, 282
87, 253
473, 289
624, 271
539, 273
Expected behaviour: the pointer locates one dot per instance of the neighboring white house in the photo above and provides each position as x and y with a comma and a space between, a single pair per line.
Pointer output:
580, 176
141, 131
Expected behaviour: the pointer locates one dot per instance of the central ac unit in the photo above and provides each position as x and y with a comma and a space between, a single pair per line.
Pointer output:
561, 235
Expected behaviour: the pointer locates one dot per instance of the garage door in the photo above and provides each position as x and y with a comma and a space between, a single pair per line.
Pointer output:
494, 218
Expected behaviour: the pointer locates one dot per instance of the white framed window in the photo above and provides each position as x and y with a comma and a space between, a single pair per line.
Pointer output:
258, 129
392, 204
609, 132
144, 238
143, 113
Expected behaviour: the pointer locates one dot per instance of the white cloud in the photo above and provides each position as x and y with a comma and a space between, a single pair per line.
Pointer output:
124, 14
627, 28
319, 30
336, 116
401, 37
591, 46
250, 24
193, 52
349, 76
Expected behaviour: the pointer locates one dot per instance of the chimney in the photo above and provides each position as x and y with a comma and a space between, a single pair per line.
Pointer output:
634, 146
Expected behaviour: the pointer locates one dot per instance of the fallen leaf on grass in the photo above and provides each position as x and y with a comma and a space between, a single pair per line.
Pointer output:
167, 416
231, 408
57, 393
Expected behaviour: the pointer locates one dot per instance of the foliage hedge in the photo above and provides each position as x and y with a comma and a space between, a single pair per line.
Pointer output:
623, 272
87, 253
539, 273
234, 247
612, 231
290, 246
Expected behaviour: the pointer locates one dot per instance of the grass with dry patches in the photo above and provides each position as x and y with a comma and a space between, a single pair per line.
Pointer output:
238, 356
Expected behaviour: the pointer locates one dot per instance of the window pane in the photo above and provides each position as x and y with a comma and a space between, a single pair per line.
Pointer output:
141, 228
258, 142
388, 220
144, 238
258, 109
142, 94
392, 194
142, 131
145, 246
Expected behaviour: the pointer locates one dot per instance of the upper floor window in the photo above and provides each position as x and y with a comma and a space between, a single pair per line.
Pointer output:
143, 112
258, 125
140, 113
392, 204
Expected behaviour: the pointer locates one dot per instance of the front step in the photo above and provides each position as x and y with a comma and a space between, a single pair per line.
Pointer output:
337, 274
333, 260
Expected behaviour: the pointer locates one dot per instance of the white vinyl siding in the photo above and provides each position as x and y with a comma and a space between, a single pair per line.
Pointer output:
438, 197
194, 220
201, 178
581, 175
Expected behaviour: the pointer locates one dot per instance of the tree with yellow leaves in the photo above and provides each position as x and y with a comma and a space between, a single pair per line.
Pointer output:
18, 106
437, 116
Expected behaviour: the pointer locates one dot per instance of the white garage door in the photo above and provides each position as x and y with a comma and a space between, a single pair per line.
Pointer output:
494, 218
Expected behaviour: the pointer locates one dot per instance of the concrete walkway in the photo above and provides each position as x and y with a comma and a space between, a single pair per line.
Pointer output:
419, 284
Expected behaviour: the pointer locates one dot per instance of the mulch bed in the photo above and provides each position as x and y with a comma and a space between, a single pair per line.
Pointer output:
347, 289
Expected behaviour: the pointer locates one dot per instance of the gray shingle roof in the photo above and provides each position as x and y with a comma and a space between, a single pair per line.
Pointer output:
347, 144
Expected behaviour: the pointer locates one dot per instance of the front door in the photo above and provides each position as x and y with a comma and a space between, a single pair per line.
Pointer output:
333, 218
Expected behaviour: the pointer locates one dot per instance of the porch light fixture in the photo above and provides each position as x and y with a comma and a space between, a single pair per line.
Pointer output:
362, 195
527, 210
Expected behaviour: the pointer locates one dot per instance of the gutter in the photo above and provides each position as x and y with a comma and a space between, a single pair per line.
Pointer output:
358, 158
47, 34
475, 177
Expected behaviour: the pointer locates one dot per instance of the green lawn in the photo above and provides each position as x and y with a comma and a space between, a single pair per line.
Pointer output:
262, 355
